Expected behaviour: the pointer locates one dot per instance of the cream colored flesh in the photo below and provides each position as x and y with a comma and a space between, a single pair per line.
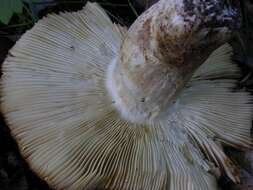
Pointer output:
161, 51
56, 96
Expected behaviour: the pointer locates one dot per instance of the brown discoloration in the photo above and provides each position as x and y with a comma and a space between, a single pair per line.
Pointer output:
143, 36
162, 50
171, 48
177, 46
234, 170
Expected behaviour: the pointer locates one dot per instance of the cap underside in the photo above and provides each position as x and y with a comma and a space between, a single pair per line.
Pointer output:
55, 102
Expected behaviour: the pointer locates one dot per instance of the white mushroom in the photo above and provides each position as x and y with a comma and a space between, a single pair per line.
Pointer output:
92, 105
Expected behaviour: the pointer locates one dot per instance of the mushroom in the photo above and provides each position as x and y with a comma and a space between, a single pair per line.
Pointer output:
93, 105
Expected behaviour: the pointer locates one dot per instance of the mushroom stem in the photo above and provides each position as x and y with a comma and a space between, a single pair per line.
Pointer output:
161, 51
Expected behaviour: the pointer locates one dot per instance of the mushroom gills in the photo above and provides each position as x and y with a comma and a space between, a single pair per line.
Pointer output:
55, 101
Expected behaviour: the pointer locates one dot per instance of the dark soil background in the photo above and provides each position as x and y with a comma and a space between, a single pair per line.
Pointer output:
15, 173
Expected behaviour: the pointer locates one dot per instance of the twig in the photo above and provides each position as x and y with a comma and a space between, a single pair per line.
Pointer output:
16, 25
34, 19
116, 18
77, 2
133, 9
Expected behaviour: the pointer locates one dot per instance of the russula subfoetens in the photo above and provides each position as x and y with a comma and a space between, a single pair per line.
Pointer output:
92, 105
